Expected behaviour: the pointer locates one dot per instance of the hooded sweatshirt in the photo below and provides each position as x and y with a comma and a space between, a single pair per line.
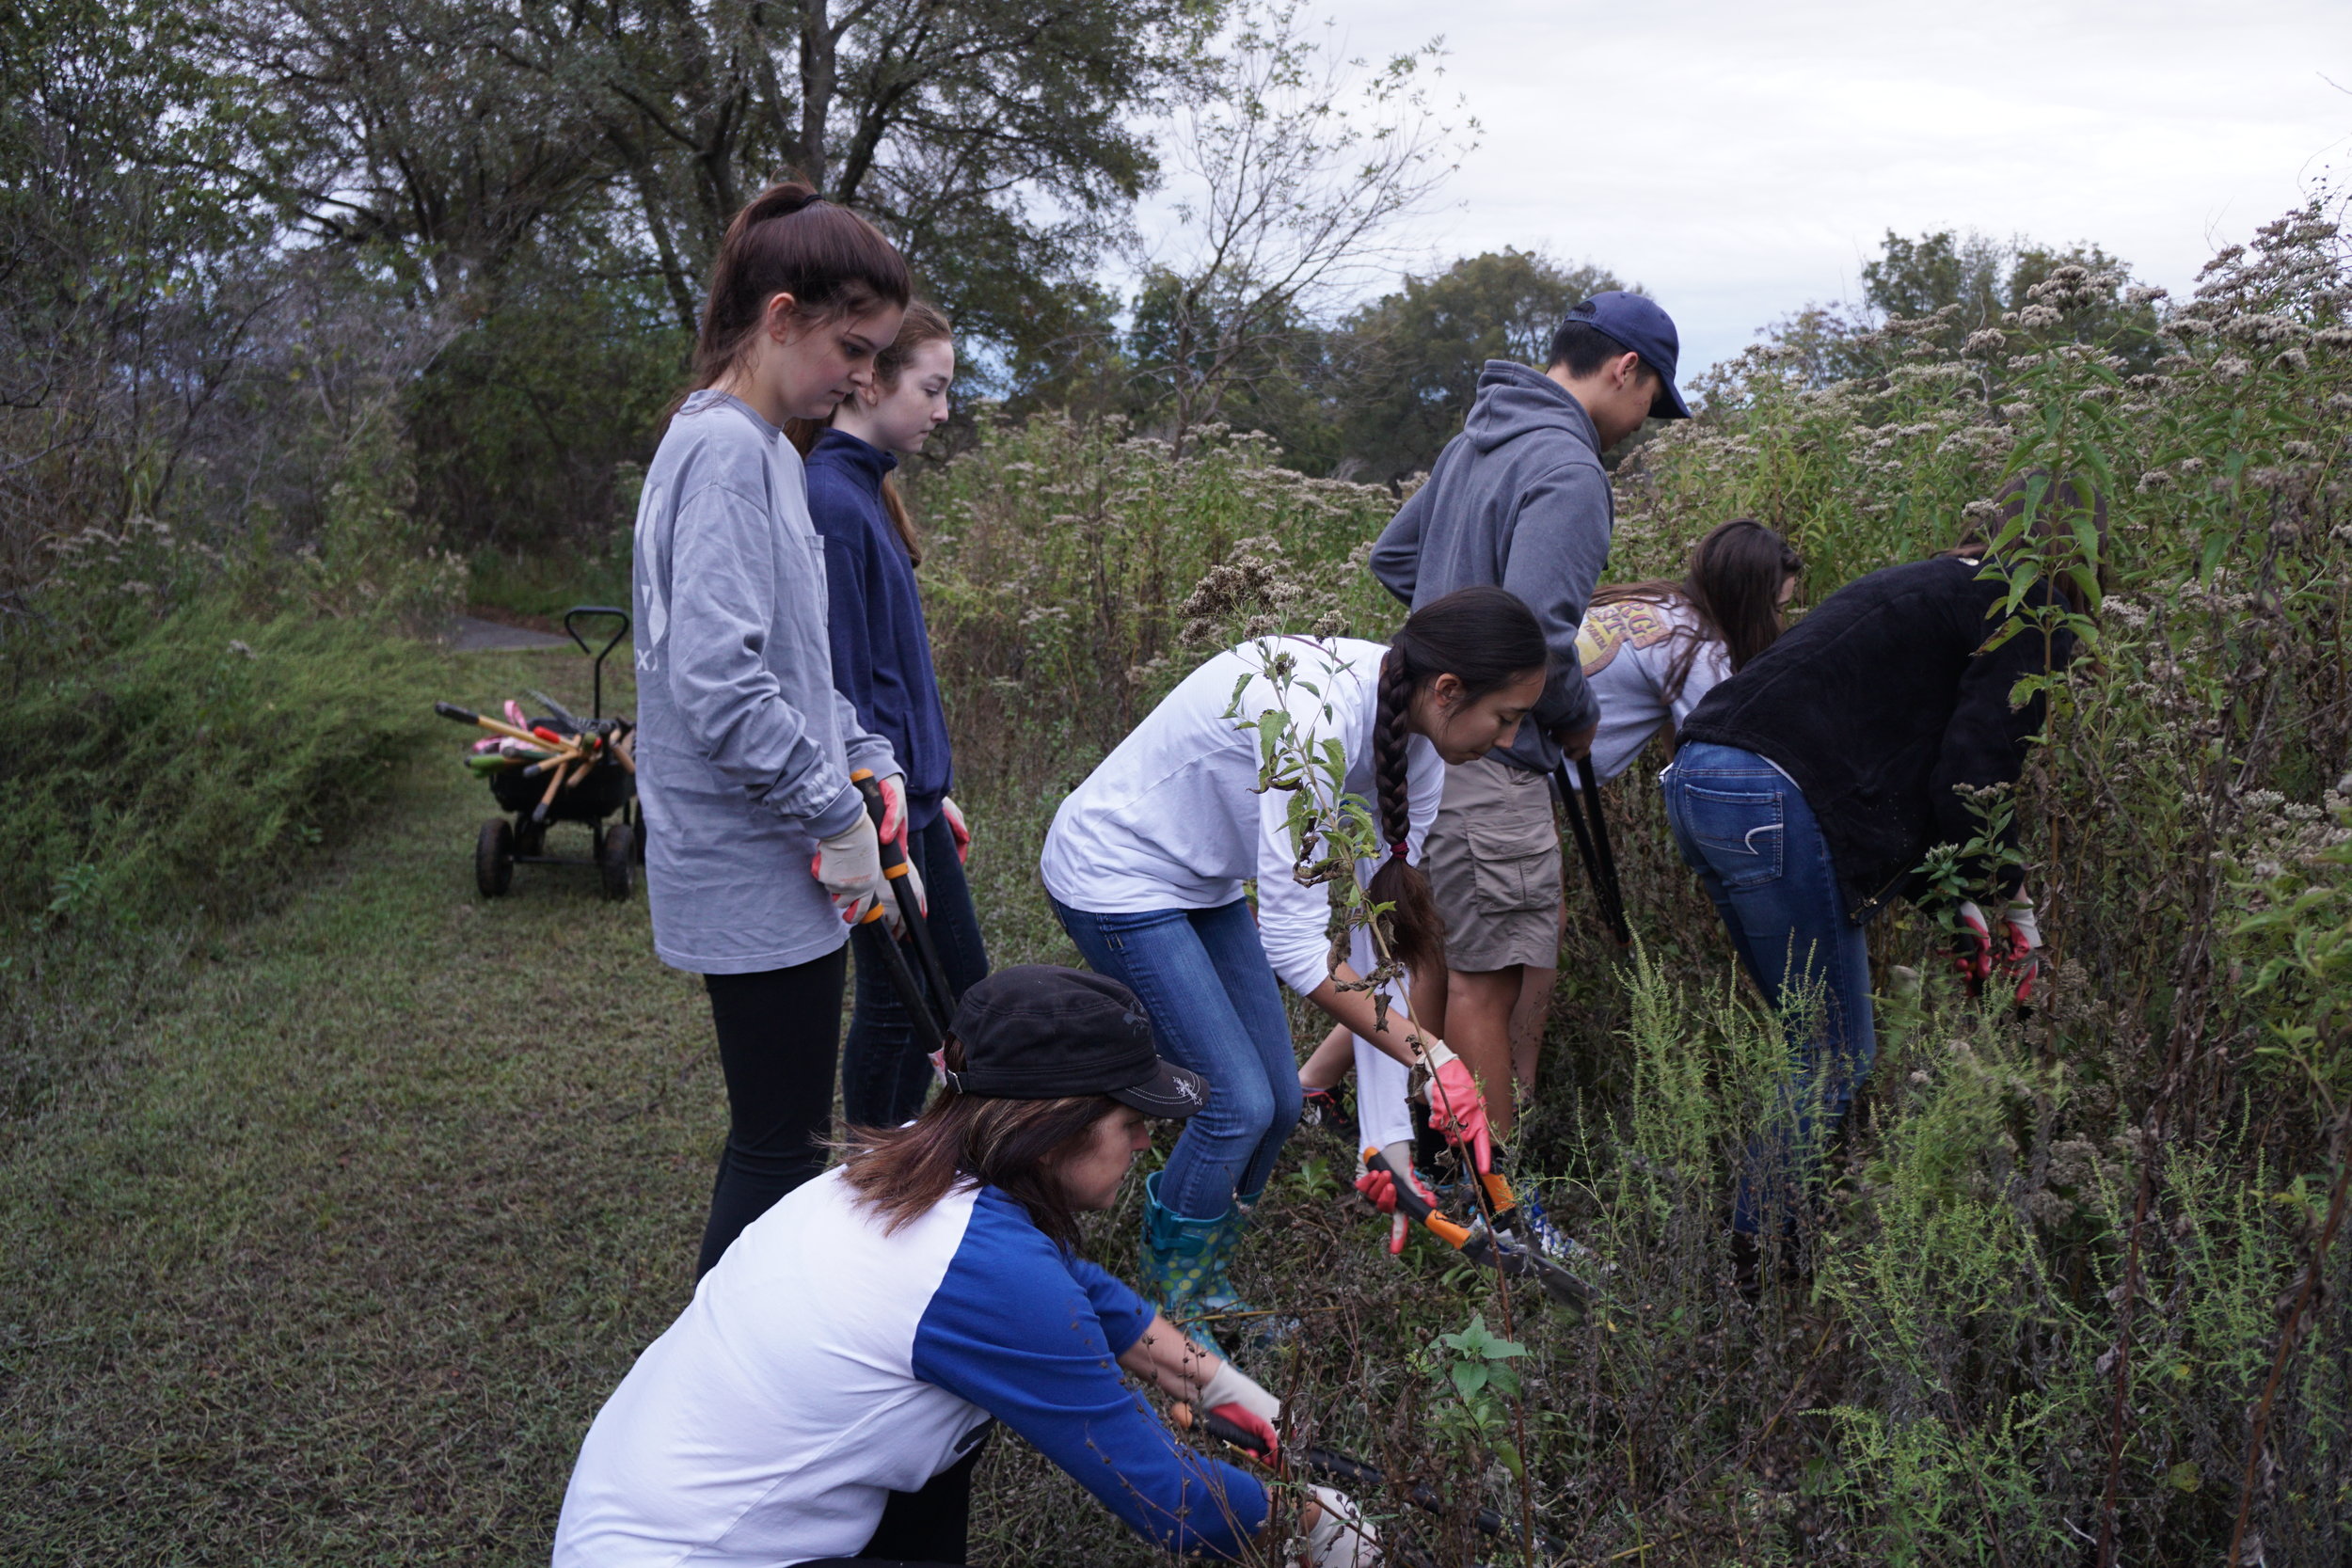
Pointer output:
881, 653
1518, 501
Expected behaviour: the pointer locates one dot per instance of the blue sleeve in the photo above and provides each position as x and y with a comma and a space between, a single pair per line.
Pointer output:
1123, 1314
1013, 1328
845, 594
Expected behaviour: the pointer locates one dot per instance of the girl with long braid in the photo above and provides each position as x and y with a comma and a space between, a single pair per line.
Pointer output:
1148, 862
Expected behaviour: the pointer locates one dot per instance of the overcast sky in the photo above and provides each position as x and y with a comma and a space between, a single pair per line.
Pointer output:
1741, 157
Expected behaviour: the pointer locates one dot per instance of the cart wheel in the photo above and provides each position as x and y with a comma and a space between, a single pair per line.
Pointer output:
494, 857
612, 860
637, 836
531, 838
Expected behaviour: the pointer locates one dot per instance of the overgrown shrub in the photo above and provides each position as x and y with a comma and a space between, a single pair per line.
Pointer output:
2075, 1292
185, 770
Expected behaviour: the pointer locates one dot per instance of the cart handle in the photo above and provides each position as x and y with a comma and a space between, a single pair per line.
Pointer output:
596, 655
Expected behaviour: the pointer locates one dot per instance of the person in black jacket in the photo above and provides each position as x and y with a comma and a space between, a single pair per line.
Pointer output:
1810, 786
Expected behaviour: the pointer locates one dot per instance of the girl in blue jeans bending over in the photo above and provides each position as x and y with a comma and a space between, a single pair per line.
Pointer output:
1810, 786
1146, 863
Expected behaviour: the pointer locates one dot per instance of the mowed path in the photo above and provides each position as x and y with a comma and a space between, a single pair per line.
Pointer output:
338, 1266
334, 1263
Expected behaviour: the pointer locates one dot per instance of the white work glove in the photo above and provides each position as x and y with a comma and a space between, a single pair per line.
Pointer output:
1340, 1537
1232, 1394
849, 867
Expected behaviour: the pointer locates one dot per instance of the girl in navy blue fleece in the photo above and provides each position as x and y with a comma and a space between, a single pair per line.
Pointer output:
882, 661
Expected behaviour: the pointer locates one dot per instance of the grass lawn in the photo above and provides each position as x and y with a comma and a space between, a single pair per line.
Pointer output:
337, 1264
336, 1253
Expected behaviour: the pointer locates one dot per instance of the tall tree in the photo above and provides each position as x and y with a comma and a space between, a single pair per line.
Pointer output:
996, 141
1410, 360
1296, 170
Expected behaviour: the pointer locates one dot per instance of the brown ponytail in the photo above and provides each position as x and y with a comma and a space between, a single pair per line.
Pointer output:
1485, 638
924, 322
790, 239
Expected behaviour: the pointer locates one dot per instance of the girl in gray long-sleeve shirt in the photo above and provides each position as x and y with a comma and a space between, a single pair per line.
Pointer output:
757, 846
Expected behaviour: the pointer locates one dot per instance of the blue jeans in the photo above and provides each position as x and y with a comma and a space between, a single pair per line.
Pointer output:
1203, 978
1752, 838
884, 1073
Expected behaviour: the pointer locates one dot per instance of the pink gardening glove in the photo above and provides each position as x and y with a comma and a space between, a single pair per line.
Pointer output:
1379, 1190
1972, 948
957, 828
1456, 1108
893, 828
2020, 955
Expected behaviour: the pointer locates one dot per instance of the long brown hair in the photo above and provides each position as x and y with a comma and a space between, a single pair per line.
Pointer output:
1732, 585
790, 240
924, 322
1015, 1145
1485, 638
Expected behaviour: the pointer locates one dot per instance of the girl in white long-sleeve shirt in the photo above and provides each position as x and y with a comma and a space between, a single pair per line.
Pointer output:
1147, 861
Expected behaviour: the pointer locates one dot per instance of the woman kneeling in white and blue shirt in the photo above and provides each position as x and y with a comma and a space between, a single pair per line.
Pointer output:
825, 1398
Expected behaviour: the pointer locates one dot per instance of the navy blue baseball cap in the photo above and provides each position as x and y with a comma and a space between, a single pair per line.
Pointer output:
1638, 324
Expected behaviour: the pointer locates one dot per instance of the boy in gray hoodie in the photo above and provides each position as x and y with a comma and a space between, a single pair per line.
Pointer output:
1520, 499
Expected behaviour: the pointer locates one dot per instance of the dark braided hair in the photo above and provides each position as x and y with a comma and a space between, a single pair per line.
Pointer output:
1485, 638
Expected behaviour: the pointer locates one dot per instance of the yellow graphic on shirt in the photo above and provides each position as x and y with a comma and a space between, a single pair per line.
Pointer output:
1610, 626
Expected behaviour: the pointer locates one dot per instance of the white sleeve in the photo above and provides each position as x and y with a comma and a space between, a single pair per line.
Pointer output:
1294, 920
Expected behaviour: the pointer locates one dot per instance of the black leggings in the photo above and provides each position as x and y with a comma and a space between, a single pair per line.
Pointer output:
929, 1529
885, 1074
778, 1031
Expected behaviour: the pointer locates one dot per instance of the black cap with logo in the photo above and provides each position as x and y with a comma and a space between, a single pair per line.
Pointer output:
1041, 1032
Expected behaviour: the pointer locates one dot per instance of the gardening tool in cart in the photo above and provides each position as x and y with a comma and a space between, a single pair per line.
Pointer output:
1482, 1246
1591, 844
559, 768
1359, 1479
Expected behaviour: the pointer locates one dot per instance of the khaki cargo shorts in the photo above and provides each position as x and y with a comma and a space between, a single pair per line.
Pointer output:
1494, 867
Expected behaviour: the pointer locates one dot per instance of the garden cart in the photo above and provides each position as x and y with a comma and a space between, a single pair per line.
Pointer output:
558, 768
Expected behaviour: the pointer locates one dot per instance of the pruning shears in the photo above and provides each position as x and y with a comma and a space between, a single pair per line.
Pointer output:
1579, 792
1330, 1465
1482, 1246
